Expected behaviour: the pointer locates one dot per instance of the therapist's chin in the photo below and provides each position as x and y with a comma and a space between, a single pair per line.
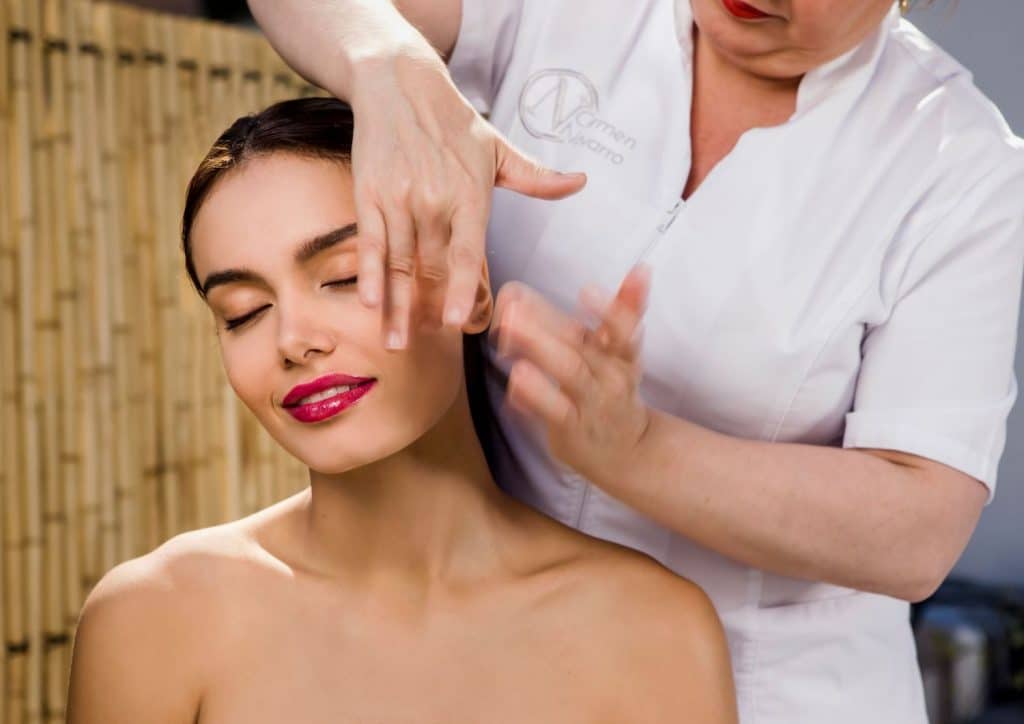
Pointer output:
759, 50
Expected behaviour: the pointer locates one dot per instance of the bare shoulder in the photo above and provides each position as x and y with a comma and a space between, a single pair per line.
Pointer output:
664, 631
142, 645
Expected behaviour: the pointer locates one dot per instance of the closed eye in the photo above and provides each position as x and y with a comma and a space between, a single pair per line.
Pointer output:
230, 324
235, 323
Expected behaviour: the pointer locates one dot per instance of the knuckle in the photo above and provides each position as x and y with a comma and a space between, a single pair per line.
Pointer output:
430, 202
433, 270
622, 381
400, 267
400, 191
465, 255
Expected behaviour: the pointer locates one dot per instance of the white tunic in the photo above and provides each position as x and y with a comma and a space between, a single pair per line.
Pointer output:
849, 278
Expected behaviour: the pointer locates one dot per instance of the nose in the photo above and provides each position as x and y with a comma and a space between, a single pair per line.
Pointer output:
303, 333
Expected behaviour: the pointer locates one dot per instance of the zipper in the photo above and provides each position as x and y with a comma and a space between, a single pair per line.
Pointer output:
668, 218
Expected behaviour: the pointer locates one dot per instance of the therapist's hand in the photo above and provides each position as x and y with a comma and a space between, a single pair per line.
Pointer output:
579, 379
424, 164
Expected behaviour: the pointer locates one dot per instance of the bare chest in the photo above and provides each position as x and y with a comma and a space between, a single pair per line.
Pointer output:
326, 666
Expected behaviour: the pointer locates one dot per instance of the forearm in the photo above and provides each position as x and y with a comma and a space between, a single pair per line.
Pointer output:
324, 41
809, 511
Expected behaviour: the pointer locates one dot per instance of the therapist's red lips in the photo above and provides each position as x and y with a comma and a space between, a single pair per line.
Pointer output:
743, 11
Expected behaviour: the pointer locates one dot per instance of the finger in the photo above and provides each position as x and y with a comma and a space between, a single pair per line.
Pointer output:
431, 268
562, 362
401, 266
531, 392
372, 251
518, 172
534, 311
612, 377
619, 331
465, 260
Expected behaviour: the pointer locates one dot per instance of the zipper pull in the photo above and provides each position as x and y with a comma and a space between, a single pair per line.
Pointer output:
670, 216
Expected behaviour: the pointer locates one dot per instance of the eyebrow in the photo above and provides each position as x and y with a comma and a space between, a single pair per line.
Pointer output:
303, 254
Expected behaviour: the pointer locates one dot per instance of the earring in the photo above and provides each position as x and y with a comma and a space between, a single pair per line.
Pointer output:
904, 6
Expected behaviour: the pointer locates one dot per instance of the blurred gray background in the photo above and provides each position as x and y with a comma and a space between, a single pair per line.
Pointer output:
987, 36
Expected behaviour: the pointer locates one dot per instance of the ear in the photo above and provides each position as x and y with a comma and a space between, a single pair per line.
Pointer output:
483, 305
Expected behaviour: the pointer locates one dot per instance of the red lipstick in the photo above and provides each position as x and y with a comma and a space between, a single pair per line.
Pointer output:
743, 11
303, 410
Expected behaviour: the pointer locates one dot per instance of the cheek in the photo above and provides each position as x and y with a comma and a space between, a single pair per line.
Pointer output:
246, 371
433, 375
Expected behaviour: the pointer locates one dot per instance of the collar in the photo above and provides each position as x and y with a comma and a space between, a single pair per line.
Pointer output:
848, 73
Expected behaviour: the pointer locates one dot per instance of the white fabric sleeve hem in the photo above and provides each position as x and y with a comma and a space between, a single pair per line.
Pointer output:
468, 64
864, 432
483, 49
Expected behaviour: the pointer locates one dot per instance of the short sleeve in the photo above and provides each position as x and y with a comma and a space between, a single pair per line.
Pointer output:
483, 48
937, 376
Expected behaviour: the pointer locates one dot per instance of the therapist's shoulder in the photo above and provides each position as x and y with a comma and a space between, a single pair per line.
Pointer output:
663, 644
949, 114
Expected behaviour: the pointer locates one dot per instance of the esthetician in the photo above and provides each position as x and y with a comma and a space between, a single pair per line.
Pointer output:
833, 216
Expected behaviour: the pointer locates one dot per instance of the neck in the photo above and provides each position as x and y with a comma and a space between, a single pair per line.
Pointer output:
428, 514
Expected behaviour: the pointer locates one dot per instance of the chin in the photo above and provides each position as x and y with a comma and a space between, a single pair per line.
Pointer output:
335, 461
756, 49
345, 448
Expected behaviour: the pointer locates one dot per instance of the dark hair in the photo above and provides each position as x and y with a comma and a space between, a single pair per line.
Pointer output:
320, 128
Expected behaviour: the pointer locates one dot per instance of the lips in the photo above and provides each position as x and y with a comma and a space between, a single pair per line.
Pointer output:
326, 396
743, 11
320, 384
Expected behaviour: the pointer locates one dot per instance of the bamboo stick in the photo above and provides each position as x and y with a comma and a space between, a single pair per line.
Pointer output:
122, 265
8, 448
142, 338
68, 332
53, 229
26, 687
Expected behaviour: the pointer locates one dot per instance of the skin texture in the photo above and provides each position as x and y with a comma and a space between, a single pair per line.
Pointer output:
402, 584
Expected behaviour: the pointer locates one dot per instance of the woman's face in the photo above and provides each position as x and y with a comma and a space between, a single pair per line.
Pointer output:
793, 36
305, 320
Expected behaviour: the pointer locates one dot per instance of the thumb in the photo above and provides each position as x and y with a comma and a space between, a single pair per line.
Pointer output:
518, 172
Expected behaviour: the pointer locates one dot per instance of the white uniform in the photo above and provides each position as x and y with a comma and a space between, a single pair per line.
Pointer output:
849, 278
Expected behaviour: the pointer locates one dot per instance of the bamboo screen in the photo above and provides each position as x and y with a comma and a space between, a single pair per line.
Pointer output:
119, 429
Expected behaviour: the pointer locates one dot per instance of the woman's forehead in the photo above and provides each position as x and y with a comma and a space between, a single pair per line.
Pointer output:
268, 207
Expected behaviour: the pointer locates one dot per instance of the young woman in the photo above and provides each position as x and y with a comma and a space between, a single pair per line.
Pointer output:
402, 585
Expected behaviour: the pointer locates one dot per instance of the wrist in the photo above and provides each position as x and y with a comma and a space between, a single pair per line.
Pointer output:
619, 474
364, 70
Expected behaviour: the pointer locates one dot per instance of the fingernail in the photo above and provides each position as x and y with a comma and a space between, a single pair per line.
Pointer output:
394, 340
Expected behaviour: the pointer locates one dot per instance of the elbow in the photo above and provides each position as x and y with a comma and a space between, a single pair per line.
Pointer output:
920, 583
920, 591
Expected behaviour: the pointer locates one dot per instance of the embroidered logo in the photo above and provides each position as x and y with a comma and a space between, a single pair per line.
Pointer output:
561, 105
